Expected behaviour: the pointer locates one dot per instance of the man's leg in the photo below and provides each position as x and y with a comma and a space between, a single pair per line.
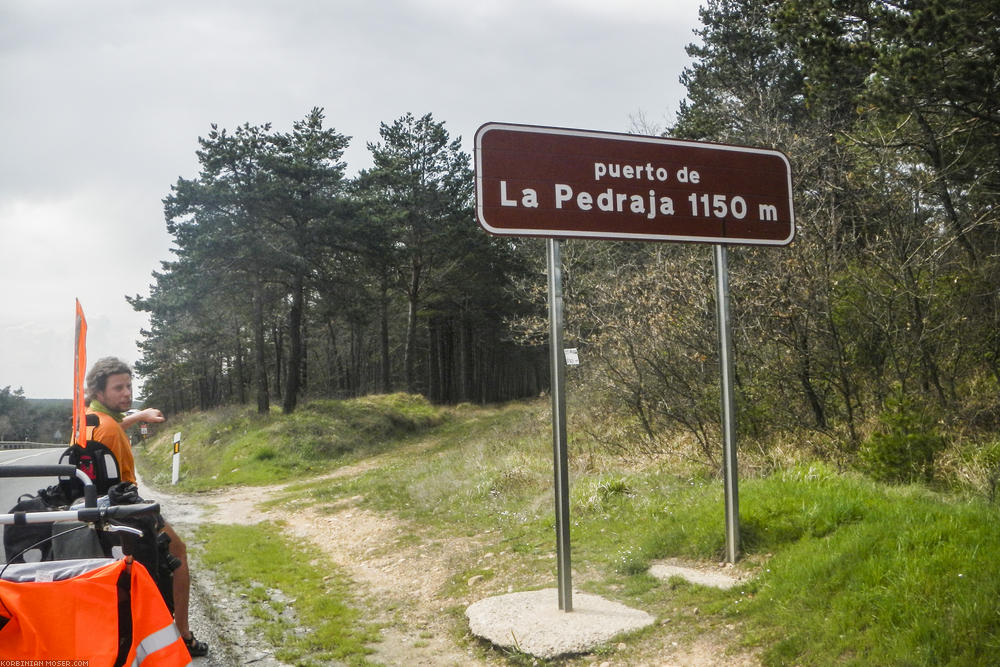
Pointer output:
182, 591
182, 581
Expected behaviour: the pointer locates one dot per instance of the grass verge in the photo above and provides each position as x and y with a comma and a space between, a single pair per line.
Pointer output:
844, 570
236, 446
303, 604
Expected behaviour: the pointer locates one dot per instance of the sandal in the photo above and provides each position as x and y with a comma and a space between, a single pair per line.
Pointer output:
195, 647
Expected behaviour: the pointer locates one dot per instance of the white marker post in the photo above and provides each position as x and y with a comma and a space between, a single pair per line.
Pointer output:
175, 475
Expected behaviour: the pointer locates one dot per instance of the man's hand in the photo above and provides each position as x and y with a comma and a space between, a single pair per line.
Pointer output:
149, 415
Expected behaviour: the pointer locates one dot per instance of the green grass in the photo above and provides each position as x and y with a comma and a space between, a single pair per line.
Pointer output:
290, 585
234, 446
844, 570
875, 575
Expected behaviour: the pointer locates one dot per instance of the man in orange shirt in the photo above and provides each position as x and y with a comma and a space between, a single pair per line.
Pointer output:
109, 390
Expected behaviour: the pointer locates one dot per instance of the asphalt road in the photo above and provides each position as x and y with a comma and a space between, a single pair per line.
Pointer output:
12, 487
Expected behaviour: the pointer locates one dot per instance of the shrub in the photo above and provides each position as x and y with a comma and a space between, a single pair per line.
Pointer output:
904, 448
265, 453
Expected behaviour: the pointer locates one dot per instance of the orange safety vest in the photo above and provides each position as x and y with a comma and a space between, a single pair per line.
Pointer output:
105, 612
110, 434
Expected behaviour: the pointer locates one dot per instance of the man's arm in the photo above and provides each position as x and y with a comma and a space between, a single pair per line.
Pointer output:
149, 415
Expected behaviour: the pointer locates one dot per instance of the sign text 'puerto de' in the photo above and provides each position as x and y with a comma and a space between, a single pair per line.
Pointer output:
554, 182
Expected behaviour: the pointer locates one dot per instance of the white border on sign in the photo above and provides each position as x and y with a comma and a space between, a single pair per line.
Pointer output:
622, 236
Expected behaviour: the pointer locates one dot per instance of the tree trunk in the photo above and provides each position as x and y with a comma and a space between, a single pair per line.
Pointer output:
465, 361
279, 355
293, 370
410, 356
940, 187
241, 373
434, 389
335, 367
805, 377
357, 346
260, 360
385, 370
304, 380
446, 359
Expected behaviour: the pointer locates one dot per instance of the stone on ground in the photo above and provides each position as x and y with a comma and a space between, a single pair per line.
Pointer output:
664, 570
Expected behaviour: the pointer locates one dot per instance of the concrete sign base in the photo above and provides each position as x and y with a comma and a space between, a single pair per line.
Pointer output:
532, 623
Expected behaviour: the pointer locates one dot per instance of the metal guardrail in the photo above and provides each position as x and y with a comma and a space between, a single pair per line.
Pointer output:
29, 445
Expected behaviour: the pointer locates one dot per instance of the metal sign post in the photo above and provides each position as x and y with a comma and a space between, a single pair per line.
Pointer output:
560, 183
559, 453
728, 405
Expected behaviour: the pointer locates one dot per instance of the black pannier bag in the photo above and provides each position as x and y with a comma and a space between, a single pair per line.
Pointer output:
96, 460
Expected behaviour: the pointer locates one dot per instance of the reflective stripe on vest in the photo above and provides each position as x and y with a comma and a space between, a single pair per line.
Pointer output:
162, 638
155, 639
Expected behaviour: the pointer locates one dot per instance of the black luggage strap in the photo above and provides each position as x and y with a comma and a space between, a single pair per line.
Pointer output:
124, 613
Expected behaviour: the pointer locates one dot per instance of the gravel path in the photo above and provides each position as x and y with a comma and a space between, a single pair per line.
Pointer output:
214, 617
401, 573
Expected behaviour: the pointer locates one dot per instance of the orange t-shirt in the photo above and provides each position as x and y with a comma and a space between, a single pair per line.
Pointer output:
111, 434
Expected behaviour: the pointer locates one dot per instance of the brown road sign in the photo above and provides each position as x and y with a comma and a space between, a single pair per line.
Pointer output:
558, 183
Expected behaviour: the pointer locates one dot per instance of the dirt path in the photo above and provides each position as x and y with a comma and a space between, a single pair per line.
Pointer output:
400, 570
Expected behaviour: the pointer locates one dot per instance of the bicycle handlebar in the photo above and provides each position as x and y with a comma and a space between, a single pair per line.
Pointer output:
50, 470
54, 470
86, 515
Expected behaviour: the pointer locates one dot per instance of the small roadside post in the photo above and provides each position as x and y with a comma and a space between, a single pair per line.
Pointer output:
555, 183
176, 469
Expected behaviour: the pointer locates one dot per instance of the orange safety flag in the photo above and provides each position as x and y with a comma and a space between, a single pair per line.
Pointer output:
103, 612
79, 373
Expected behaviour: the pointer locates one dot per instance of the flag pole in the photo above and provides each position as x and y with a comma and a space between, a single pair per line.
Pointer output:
79, 435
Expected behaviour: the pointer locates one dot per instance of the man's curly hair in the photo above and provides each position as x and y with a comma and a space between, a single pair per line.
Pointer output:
97, 378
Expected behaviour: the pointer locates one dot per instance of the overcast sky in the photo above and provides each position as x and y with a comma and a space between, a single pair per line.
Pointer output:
102, 103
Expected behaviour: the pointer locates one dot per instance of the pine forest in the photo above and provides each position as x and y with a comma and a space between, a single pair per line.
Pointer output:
873, 339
